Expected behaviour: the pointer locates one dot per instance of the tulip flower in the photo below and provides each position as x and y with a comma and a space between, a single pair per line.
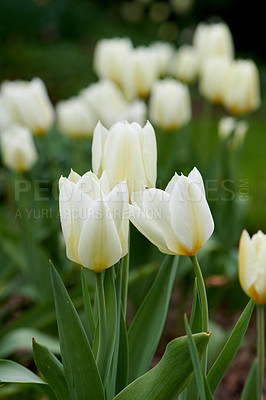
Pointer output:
184, 64
140, 73
18, 149
163, 52
212, 78
228, 126
241, 93
75, 119
170, 105
126, 151
28, 104
177, 220
252, 265
109, 58
94, 221
110, 106
213, 40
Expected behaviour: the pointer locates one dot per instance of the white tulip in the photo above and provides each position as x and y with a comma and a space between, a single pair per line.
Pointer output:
212, 78
252, 265
163, 53
126, 151
229, 126
110, 56
94, 221
177, 220
75, 119
18, 149
213, 40
140, 73
184, 64
241, 92
106, 100
170, 104
28, 104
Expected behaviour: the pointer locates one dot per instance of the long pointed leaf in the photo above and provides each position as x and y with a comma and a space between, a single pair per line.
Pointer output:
90, 325
146, 329
169, 377
196, 362
250, 391
52, 370
230, 349
81, 372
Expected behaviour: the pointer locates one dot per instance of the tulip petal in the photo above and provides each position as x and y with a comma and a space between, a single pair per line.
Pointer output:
191, 217
171, 184
117, 201
99, 136
148, 228
99, 245
74, 176
149, 152
196, 177
248, 266
155, 204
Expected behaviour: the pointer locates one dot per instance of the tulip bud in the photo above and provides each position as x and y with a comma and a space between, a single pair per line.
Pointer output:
106, 100
18, 149
184, 64
163, 52
213, 40
237, 129
109, 58
140, 72
241, 93
75, 119
212, 78
177, 220
170, 105
252, 265
94, 221
126, 151
28, 104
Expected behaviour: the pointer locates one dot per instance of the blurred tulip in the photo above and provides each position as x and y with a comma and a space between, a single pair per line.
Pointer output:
5, 119
230, 126
28, 104
110, 106
252, 265
110, 56
75, 119
163, 52
126, 151
177, 220
184, 64
94, 221
18, 149
140, 73
170, 105
241, 92
212, 78
213, 40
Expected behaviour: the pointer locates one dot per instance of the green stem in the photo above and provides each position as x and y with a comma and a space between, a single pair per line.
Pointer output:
125, 272
102, 324
203, 302
260, 347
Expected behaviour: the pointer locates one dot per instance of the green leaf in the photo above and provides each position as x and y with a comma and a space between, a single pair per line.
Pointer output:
250, 391
81, 372
195, 361
52, 370
11, 372
21, 339
122, 366
169, 377
230, 349
146, 329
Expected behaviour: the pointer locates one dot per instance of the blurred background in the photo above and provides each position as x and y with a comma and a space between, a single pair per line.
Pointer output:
55, 40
